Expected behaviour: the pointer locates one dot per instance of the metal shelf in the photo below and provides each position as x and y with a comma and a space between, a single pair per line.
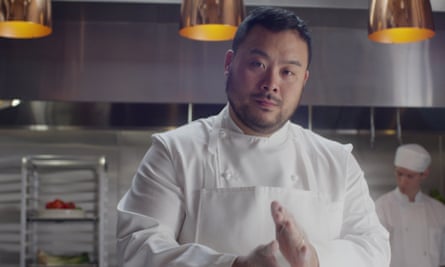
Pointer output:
62, 220
70, 265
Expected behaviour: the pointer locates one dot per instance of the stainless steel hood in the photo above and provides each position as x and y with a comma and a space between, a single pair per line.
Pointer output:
45, 115
125, 52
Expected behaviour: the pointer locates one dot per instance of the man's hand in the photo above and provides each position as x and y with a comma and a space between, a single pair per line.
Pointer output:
291, 239
262, 256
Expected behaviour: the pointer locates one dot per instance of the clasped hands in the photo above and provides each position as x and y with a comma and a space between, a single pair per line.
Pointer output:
290, 240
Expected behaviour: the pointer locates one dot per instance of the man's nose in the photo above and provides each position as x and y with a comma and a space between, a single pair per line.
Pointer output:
270, 81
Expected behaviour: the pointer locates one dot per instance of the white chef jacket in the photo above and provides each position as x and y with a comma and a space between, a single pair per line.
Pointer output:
201, 196
416, 229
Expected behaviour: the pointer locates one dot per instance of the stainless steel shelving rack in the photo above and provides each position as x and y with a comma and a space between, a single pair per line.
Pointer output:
80, 179
10, 204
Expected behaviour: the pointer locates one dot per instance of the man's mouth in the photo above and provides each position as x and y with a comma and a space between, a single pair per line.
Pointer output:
266, 100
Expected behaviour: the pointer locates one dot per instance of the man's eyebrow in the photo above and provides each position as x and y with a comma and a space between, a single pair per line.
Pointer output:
256, 51
294, 62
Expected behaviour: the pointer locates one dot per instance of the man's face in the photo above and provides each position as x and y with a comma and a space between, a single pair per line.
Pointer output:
265, 79
409, 182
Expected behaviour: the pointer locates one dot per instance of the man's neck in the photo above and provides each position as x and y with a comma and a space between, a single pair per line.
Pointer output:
411, 195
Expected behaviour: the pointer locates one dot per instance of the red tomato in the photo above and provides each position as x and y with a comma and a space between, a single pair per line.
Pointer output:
55, 204
69, 205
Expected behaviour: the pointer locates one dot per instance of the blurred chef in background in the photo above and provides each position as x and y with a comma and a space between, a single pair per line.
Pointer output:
415, 221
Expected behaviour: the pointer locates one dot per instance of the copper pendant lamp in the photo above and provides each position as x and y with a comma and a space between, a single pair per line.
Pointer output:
23, 19
400, 21
210, 20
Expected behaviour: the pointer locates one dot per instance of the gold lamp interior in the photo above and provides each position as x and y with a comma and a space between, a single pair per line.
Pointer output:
210, 20
23, 19
400, 21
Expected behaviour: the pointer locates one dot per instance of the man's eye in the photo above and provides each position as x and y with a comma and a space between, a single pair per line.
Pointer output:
257, 64
288, 73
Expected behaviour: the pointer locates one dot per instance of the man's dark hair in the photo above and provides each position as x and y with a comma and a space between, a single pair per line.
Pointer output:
273, 19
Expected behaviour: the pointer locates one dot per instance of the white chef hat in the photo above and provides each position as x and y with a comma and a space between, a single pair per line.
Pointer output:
413, 157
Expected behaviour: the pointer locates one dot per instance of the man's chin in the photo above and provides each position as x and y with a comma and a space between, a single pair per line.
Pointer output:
266, 126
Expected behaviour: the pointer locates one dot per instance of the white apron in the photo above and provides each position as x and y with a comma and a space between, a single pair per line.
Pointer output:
242, 232
413, 227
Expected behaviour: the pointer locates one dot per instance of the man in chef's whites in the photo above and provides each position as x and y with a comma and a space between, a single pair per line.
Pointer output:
415, 221
247, 187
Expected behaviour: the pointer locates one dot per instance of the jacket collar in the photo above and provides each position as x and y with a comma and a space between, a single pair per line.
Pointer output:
404, 198
276, 138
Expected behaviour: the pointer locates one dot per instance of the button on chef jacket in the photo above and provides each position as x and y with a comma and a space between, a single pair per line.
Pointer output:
416, 229
202, 193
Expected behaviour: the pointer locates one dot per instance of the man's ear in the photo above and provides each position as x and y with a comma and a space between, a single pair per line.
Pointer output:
425, 173
306, 77
228, 61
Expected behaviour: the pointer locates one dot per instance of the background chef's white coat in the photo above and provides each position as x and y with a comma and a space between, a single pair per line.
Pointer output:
202, 195
416, 229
